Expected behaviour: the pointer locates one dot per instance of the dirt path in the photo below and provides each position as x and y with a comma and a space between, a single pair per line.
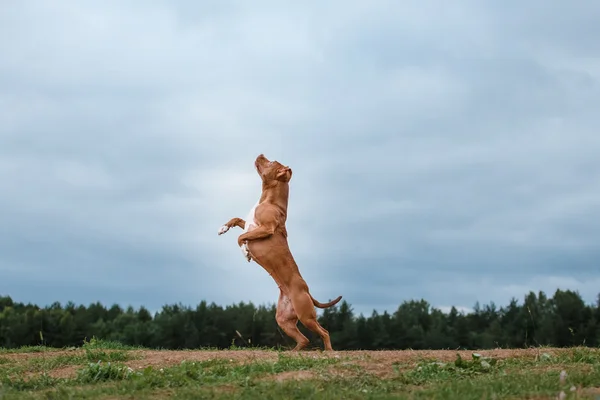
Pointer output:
380, 363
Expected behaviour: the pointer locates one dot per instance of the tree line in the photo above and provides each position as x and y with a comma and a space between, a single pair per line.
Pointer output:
562, 320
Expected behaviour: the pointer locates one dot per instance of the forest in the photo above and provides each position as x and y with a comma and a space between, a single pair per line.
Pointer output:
562, 320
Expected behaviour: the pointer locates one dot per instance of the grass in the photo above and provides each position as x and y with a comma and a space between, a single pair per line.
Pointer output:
102, 370
26, 349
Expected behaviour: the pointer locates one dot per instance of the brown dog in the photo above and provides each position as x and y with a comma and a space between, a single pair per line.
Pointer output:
265, 241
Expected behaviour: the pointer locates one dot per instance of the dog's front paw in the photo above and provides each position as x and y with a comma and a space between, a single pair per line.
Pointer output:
223, 229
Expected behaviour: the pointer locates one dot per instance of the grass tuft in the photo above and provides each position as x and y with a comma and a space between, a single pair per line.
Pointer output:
94, 344
432, 371
102, 372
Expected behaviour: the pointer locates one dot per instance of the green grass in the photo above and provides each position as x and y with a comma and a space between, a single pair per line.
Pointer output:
26, 349
94, 343
100, 370
15, 373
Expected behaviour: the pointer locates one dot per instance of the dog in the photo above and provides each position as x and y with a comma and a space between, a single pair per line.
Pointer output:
264, 240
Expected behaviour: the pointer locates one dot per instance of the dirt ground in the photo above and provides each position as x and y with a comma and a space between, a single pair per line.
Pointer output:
380, 363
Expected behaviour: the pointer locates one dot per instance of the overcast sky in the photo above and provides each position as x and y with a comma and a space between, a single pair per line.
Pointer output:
441, 150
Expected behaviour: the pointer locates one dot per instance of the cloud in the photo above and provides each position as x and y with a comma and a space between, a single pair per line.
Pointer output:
439, 152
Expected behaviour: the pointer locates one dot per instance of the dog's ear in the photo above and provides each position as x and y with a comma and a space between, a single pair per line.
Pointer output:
284, 174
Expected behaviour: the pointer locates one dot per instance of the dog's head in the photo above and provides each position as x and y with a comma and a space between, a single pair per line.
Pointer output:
272, 171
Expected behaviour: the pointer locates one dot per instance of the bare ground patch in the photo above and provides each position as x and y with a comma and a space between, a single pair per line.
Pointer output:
166, 358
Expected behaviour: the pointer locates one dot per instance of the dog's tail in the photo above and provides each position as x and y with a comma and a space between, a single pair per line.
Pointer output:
325, 305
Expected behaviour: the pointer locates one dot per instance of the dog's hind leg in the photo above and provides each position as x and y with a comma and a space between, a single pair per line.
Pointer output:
305, 310
312, 324
288, 321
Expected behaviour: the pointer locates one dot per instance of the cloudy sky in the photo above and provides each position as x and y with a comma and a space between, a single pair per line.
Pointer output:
441, 150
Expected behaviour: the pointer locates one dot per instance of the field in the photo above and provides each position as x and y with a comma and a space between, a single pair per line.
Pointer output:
104, 370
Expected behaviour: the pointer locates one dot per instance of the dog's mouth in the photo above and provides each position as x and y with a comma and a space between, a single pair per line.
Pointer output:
259, 160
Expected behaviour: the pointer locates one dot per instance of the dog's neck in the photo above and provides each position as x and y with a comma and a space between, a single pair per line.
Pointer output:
276, 194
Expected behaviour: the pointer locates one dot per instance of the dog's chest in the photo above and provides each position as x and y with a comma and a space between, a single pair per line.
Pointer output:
250, 219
